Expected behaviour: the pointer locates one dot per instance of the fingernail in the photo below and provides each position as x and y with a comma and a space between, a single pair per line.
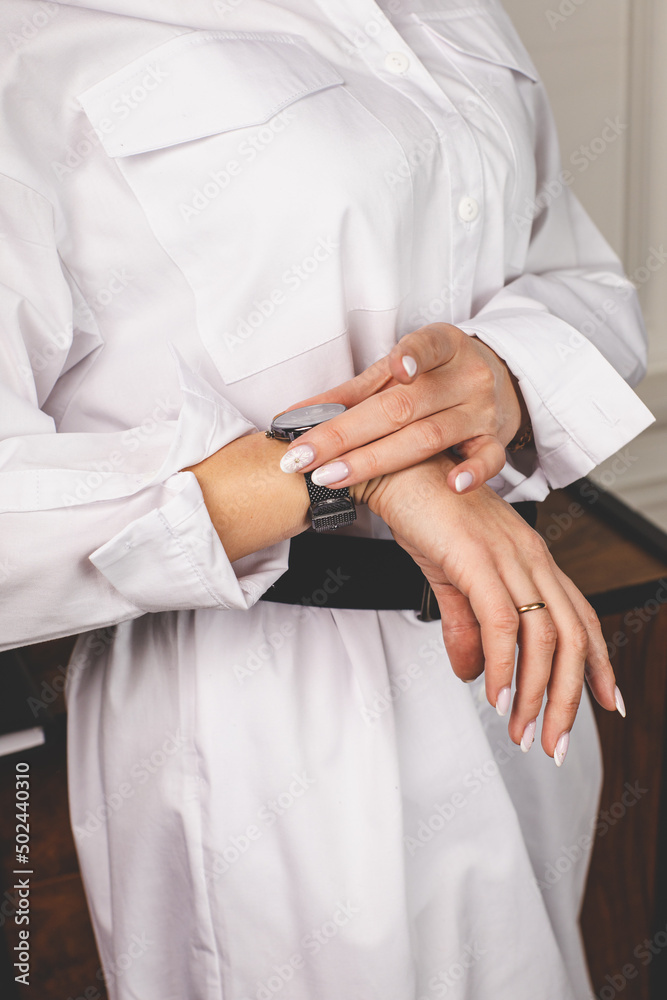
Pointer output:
503, 701
463, 481
528, 736
297, 458
410, 365
620, 704
328, 474
561, 749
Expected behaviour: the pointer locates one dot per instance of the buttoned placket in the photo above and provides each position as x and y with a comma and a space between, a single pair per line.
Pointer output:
373, 38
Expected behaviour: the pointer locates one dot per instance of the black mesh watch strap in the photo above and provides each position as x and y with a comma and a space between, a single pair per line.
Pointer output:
329, 508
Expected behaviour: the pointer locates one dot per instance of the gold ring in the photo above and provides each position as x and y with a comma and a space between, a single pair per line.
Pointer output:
537, 606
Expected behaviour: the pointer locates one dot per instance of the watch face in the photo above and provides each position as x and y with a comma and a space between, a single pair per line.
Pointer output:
306, 417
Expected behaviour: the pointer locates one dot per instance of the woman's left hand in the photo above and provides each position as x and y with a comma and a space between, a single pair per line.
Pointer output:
438, 388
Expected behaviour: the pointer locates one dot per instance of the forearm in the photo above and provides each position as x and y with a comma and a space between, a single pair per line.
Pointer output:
251, 502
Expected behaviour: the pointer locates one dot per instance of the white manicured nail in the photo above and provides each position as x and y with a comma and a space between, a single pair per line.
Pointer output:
620, 704
297, 458
561, 749
410, 365
503, 701
463, 481
328, 474
528, 736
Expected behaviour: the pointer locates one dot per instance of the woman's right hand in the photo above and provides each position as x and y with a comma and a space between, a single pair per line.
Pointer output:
483, 562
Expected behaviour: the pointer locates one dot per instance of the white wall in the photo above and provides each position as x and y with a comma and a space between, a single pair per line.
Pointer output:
606, 59
583, 59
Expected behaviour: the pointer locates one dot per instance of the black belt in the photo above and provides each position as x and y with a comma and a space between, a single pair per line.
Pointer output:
344, 571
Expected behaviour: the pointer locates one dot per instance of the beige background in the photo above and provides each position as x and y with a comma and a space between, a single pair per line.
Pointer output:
605, 59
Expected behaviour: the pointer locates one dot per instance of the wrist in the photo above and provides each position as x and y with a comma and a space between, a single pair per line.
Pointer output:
251, 502
408, 487
361, 492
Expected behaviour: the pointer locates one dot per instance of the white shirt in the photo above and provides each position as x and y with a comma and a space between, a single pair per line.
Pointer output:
278, 192
210, 211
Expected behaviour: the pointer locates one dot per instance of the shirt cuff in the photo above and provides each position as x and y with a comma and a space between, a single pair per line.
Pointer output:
581, 409
172, 558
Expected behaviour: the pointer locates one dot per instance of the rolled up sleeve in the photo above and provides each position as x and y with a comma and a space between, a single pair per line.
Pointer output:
570, 329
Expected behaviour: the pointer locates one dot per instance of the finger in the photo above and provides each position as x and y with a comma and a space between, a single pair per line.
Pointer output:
460, 628
400, 450
375, 421
567, 673
537, 641
483, 458
460, 631
498, 619
536, 637
599, 671
424, 349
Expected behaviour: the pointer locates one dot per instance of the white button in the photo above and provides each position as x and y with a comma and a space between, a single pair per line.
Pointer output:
468, 209
396, 62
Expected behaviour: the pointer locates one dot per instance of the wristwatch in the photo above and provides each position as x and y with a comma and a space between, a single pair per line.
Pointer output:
329, 508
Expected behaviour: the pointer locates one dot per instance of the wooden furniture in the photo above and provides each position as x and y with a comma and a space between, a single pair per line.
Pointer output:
620, 562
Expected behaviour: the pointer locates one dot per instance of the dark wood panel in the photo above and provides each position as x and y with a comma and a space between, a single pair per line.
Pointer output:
596, 555
618, 915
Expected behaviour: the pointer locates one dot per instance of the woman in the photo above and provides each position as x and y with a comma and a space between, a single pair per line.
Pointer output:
215, 211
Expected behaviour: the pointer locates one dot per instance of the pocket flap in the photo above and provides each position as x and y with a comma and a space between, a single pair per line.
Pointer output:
200, 84
484, 32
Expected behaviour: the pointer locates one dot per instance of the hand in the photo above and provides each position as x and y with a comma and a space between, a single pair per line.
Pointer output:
483, 561
458, 393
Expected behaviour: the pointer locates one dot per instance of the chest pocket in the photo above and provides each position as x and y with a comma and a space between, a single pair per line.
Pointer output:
227, 140
480, 41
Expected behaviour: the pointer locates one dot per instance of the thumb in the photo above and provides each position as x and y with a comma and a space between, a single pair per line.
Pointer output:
483, 458
460, 631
